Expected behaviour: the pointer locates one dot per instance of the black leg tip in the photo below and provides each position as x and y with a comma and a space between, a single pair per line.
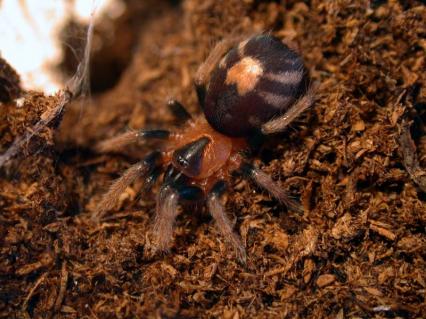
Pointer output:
218, 188
151, 159
247, 169
160, 134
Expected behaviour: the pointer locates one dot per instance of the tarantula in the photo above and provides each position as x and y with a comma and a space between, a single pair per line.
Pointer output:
247, 87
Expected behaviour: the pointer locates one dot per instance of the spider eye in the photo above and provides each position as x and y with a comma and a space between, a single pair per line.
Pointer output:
182, 162
255, 81
189, 157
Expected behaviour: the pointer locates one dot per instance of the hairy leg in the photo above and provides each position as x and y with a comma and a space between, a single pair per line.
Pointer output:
117, 142
151, 178
266, 182
117, 188
223, 223
166, 212
278, 124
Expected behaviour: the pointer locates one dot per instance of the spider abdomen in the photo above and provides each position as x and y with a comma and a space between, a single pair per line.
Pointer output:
255, 81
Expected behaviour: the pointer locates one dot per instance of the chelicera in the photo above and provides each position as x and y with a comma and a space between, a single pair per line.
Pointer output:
247, 87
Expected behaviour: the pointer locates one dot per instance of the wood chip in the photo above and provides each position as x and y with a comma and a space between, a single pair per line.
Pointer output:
325, 280
383, 232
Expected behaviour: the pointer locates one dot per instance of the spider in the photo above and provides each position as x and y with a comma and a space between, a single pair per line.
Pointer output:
247, 87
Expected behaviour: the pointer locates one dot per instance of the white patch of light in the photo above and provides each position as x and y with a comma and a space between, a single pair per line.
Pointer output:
29, 36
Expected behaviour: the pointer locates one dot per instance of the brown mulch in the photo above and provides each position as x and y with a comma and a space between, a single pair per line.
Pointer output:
356, 160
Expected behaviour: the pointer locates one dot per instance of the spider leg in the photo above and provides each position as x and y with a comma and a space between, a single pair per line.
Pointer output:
117, 142
151, 178
173, 189
266, 182
223, 223
280, 123
141, 168
165, 216
179, 110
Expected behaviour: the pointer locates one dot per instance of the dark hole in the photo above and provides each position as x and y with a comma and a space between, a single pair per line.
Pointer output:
32, 304
358, 238
48, 216
377, 3
267, 299
4, 92
128, 265
212, 297
330, 157
416, 128
8, 294
140, 250
340, 257
269, 249
84, 245
362, 185
406, 257
421, 109
392, 187
98, 279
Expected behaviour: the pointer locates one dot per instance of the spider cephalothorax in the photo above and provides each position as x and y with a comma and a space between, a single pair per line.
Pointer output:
247, 86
